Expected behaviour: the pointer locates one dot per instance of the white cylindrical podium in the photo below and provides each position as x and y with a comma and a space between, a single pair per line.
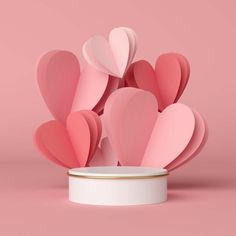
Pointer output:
117, 186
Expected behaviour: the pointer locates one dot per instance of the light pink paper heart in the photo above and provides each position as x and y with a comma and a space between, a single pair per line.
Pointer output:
171, 134
195, 145
129, 116
104, 156
58, 74
83, 134
140, 136
111, 57
53, 141
90, 90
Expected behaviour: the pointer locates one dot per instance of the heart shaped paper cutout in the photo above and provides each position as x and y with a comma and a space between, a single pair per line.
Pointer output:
185, 72
104, 156
53, 141
79, 129
167, 82
90, 90
156, 141
171, 134
58, 74
142, 75
168, 74
95, 129
129, 116
111, 57
195, 145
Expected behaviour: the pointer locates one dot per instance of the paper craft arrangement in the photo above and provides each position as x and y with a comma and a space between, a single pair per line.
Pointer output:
115, 111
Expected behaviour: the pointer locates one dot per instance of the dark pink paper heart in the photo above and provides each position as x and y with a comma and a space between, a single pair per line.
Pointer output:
73, 145
167, 82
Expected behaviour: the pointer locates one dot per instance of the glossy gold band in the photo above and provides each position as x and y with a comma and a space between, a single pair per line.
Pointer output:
116, 177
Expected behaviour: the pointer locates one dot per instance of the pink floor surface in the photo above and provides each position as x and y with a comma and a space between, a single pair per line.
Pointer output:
34, 201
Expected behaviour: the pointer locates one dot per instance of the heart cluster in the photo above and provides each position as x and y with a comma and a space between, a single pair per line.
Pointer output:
116, 111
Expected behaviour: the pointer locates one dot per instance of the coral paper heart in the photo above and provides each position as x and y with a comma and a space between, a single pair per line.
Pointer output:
167, 82
73, 145
95, 128
58, 74
84, 129
53, 141
111, 57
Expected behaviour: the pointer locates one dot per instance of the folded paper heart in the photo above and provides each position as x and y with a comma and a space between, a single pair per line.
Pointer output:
167, 82
64, 89
58, 74
140, 135
73, 145
111, 57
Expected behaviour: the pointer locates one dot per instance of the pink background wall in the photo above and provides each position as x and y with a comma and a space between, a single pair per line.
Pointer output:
204, 31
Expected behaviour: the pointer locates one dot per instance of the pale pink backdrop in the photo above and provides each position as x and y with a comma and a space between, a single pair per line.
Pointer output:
33, 192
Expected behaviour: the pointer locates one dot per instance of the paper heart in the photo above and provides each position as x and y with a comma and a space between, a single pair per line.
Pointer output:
104, 156
58, 74
91, 88
185, 72
139, 135
195, 145
53, 141
167, 82
84, 129
111, 57
95, 128
70, 146
129, 116
171, 134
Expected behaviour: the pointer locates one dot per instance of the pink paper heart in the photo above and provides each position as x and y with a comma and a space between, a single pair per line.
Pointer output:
111, 57
142, 75
91, 88
171, 134
167, 82
140, 136
104, 156
58, 74
195, 145
53, 141
168, 74
185, 72
129, 116
84, 134
95, 129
